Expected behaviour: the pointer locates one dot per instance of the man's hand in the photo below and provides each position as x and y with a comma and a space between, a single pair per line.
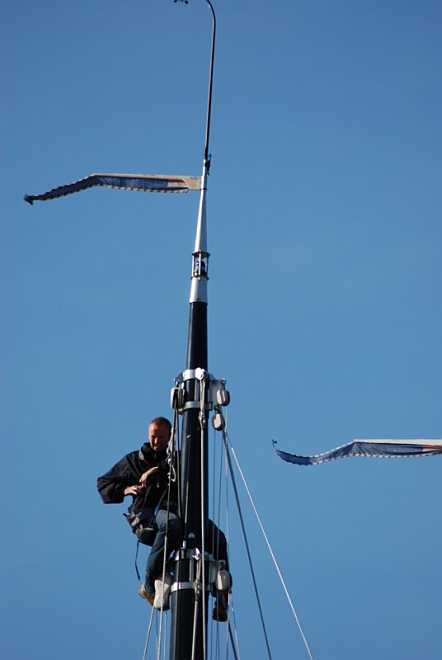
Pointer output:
146, 476
133, 490
141, 485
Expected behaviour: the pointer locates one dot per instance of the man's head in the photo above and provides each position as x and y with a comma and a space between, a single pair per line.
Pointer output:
159, 433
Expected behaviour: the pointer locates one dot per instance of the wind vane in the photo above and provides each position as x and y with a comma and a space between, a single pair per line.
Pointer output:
380, 448
148, 182
143, 182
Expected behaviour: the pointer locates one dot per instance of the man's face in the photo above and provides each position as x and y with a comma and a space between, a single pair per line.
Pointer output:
158, 436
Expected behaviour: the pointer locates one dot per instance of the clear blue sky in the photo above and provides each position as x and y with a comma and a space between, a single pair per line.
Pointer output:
325, 314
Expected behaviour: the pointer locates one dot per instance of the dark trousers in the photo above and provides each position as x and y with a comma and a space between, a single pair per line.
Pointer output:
216, 545
154, 566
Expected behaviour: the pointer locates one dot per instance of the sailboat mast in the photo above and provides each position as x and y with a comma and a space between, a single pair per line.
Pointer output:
188, 606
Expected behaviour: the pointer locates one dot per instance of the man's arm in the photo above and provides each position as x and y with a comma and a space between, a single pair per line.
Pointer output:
121, 480
113, 484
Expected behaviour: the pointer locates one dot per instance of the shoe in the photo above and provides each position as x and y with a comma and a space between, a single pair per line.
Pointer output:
162, 591
221, 608
143, 593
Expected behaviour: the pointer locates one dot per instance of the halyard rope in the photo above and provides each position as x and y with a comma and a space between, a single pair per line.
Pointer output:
203, 422
292, 607
163, 575
246, 543
149, 629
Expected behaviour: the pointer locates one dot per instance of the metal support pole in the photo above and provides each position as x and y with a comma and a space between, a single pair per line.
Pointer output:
188, 601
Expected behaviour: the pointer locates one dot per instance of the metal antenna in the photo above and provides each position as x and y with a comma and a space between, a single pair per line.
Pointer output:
209, 100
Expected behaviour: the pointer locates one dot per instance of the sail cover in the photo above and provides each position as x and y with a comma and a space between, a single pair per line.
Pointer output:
143, 182
365, 447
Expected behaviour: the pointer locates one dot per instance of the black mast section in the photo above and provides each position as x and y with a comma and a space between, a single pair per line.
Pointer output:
189, 606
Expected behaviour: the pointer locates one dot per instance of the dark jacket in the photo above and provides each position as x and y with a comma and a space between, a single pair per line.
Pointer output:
127, 472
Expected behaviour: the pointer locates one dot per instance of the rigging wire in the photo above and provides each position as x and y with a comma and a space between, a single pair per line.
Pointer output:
212, 510
172, 452
203, 422
164, 647
175, 432
179, 495
246, 543
215, 649
176, 424
222, 468
290, 601
235, 630
166, 538
149, 630
221, 477
232, 621
232, 641
186, 478
218, 521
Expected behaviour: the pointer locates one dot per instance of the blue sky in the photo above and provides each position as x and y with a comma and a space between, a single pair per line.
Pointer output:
325, 318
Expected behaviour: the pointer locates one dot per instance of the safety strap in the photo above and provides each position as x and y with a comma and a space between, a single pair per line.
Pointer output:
136, 564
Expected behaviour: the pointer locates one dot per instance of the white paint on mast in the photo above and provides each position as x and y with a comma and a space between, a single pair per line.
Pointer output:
200, 256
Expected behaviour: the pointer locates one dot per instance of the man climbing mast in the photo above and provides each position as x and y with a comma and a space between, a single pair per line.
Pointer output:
146, 475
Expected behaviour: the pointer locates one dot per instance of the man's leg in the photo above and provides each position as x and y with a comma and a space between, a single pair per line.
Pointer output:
154, 566
217, 543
